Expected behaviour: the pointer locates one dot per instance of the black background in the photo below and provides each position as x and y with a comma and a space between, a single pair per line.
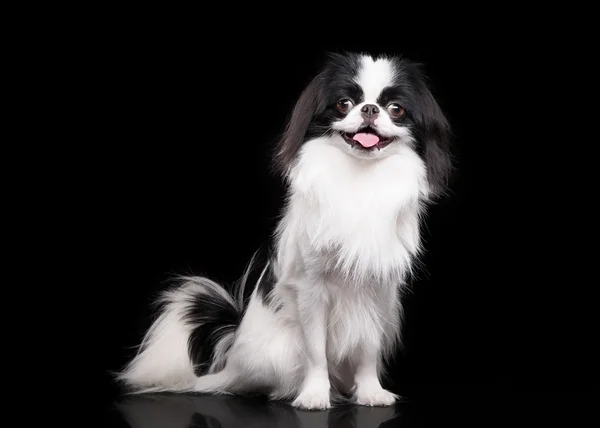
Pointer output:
178, 159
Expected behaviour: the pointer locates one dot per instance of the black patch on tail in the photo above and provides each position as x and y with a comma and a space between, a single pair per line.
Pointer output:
217, 318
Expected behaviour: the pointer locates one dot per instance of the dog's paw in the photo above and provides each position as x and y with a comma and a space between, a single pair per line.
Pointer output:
313, 399
374, 395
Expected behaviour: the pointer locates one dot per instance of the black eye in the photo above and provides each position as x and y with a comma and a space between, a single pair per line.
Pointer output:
396, 110
344, 105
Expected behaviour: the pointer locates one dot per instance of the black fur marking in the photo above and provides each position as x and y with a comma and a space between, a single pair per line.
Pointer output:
316, 107
216, 318
429, 124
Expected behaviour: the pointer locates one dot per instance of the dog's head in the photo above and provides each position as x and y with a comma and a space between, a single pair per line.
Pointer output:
369, 107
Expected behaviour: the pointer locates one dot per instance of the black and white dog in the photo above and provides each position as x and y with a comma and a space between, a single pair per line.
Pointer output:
366, 149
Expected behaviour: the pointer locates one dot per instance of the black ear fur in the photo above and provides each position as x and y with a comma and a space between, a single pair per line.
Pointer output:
437, 150
434, 135
295, 132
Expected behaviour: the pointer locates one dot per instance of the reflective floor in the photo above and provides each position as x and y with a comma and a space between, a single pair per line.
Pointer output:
186, 411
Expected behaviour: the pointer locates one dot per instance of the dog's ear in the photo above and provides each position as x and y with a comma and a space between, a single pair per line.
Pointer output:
434, 135
295, 131
437, 150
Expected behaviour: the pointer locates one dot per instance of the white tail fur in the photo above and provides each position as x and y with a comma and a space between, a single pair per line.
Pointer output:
163, 362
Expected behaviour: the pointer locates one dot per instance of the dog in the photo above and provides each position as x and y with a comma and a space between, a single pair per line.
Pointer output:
364, 154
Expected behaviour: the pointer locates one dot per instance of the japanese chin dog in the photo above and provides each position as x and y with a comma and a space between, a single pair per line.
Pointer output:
365, 152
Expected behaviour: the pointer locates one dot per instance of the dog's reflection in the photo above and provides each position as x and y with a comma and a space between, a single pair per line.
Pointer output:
189, 411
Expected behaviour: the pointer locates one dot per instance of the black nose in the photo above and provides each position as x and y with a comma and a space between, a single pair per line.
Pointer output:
369, 110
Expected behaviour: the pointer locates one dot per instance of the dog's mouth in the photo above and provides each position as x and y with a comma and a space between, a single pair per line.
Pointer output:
366, 139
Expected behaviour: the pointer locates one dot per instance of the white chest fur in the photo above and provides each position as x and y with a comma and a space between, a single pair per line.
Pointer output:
353, 216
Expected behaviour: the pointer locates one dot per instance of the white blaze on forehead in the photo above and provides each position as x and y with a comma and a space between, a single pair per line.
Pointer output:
374, 75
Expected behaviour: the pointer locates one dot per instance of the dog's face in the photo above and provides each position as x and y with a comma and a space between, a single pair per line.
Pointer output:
365, 107
369, 108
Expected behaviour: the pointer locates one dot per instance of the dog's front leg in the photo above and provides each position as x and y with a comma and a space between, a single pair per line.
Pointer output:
312, 314
368, 390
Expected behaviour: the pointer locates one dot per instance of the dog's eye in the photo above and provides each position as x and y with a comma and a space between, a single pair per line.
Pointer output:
396, 110
344, 105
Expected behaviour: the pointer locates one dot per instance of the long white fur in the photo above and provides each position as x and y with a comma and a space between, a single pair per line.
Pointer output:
344, 247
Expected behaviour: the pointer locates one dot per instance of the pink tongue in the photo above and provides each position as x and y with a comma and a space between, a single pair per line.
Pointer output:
366, 140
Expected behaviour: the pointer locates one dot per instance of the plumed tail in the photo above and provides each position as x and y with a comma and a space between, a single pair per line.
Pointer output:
195, 327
